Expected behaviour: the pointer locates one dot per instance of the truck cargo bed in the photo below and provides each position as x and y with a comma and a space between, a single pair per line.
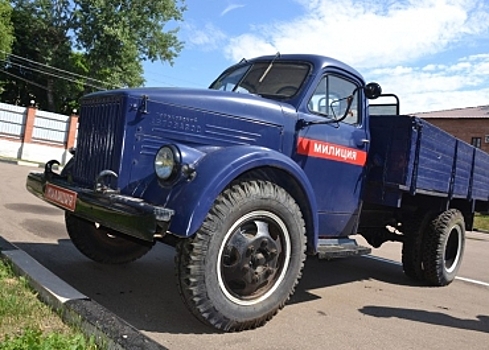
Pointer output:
408, 155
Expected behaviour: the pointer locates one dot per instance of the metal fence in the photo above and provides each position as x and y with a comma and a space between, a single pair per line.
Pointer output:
51, 127
12, 120
30, 134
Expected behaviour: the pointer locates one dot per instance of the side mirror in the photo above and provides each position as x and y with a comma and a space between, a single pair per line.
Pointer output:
372, 91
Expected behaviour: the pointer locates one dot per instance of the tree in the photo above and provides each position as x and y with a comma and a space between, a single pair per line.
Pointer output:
6, 28
38, 46
120, 34
6, 36
106, 40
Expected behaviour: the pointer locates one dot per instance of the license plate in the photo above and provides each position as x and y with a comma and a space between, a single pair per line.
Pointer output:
60, 196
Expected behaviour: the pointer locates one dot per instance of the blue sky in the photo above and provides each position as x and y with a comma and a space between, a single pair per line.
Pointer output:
434, 54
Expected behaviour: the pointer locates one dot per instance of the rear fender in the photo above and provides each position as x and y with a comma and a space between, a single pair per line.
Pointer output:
215, 171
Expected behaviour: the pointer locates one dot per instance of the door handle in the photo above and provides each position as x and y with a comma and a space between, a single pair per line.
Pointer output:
362, 142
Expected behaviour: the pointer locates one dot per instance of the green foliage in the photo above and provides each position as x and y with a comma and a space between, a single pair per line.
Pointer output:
6, 35
119, 34
103, 41
6, 28
36, 41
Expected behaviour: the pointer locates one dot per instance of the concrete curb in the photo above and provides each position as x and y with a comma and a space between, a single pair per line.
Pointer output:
480, 231
76, 309
21, 162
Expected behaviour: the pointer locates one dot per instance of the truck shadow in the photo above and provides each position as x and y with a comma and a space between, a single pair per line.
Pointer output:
326, 273
41, 209
434, 318
144, 293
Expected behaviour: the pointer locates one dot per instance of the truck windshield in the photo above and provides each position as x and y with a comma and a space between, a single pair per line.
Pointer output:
276, 80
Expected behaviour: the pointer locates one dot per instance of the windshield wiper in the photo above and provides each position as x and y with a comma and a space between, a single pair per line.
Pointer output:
265, 73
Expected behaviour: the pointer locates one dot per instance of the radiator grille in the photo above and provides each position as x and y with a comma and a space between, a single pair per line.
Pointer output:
99, 139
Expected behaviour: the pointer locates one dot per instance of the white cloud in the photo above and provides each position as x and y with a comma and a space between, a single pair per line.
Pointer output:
247, 40
461, 66
476, 57
437, 101
368, 33
437, 87
385, 41
209, 38
230, 8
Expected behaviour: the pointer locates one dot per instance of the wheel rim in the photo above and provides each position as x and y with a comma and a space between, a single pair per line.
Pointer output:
254, 258
453, 249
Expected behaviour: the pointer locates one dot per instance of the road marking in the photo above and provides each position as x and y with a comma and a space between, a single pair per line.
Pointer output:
388, 261
472, 281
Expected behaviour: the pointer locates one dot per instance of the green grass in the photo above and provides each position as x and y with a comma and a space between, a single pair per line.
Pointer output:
481, 222
27, 323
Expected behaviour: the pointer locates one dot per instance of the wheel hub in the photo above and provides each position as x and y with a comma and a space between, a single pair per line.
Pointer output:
253, 258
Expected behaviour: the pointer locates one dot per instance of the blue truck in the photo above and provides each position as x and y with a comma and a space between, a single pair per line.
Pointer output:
281, 158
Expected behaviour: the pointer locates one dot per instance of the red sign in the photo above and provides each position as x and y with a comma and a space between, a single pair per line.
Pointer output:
60, 196
331, 151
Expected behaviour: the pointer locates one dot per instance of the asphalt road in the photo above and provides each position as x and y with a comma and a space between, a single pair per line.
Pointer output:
355, 303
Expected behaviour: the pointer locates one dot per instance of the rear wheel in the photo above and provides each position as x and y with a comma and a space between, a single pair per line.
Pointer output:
444, 248
415, 229
244, 262
101, 245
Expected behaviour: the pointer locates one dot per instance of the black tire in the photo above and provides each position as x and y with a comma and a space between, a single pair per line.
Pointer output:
244, 262
415, 228
444, 248
101, 245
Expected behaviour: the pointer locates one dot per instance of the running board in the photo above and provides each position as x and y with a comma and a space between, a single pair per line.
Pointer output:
340, 248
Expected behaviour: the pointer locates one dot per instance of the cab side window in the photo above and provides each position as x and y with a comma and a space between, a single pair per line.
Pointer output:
330, 99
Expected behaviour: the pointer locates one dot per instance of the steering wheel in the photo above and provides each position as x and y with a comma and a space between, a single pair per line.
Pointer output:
287, 90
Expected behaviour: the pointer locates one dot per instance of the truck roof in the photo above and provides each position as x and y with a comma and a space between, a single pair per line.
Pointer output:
318, 61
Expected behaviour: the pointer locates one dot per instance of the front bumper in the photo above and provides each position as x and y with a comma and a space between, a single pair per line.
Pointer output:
125, 214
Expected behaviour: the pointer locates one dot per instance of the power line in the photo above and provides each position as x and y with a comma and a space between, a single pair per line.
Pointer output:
27, 81
52, 74
54, 68
93, 79
169, 77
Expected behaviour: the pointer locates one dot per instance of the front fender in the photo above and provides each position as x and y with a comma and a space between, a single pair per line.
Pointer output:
215, 171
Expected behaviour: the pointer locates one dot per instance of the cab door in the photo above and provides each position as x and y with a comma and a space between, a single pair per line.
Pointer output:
332, 152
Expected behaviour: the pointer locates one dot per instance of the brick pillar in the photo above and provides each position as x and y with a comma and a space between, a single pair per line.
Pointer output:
70, 139
27, 149
29, 124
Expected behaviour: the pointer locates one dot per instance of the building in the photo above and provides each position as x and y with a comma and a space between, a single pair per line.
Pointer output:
469, 124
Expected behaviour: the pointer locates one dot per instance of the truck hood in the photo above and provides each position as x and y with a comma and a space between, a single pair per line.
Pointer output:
222, 102
208, 117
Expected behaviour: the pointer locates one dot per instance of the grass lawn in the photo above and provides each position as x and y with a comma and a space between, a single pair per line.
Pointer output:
481, 222
27, 323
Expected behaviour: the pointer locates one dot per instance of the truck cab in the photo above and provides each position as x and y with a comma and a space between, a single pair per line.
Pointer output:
330, 147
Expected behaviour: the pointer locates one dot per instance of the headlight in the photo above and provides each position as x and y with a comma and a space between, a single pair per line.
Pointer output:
167, 162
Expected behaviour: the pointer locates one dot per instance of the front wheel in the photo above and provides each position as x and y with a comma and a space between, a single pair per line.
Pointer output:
244, 262
444, 248
101, 245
